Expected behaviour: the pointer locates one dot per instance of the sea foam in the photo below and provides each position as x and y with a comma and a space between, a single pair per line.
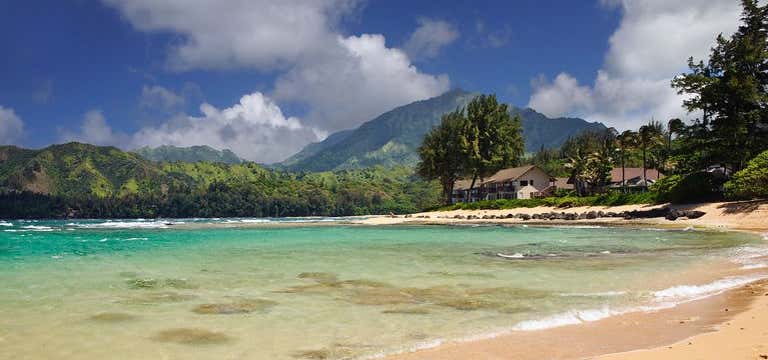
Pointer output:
694, 292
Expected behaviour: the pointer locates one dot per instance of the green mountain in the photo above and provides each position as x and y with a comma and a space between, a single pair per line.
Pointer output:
393, 137
188, 154
82, 180
76, 169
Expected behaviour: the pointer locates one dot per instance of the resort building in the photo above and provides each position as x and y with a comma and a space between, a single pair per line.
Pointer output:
522, 182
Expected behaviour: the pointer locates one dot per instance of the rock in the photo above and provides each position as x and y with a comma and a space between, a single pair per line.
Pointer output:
191, 336
582, 216
600, 214
671, 217
694, 214
510, 216
525, 216
239, 307
112, 317
592, 215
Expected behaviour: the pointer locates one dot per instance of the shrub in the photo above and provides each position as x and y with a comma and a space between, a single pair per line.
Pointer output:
752, 181
690, 188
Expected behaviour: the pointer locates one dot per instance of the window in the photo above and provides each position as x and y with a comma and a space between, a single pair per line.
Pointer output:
523, 183
531, 182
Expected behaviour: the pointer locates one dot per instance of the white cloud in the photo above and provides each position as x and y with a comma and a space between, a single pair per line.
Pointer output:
429, 38
255, 128
650, 47
560, 96
11, 127
95, 130
238, 33
341, 80
159, 98
360, 79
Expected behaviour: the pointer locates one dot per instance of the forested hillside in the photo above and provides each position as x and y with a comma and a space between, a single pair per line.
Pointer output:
81, 180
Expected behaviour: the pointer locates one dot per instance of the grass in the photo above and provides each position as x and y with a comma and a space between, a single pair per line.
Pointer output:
609, 199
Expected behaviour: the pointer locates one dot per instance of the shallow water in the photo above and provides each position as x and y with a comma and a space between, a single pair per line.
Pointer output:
149, 289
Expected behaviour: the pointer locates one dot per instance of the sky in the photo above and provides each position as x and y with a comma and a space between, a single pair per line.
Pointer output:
264, 78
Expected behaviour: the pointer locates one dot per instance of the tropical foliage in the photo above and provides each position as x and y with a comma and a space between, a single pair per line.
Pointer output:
472, 143
752, 181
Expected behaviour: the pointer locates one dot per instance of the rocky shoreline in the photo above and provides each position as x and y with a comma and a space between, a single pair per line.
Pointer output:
663, 212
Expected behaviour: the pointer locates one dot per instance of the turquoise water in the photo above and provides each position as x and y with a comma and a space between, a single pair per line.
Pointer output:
241, 288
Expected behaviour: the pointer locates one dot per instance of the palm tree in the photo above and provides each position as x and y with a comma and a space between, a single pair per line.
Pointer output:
650, 136
626, 141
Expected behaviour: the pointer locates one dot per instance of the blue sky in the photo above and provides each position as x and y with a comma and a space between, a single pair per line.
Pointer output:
266, 77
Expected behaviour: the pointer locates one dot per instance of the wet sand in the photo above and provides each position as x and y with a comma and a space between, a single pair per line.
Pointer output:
732, 325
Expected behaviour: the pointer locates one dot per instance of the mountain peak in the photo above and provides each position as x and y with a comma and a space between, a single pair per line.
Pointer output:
393, 137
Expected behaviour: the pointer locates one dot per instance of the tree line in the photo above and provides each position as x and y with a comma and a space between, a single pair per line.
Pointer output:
727, 97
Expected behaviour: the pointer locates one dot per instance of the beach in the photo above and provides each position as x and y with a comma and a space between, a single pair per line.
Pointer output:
740, 215
729, 325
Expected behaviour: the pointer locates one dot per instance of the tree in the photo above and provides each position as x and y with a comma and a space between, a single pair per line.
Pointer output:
590, 158
444, 152
731, 91
494, 138
626, 141
650, 138
752, 181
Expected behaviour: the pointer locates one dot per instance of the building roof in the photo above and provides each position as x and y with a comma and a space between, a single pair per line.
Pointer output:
509, 174
502, 175
563, 183
463, 184
634, 172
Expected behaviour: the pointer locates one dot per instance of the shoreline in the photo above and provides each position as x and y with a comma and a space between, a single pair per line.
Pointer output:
730, 324
698, 329
749, 216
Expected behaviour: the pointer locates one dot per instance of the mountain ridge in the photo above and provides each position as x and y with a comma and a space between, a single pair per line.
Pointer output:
188, 154
393, 137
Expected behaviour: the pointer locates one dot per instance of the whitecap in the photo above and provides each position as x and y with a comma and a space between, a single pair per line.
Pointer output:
5, 223
37, 228
513, 256
754, 266
128, 225
683, 293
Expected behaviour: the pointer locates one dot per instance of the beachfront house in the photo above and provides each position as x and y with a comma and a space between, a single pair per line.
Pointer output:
524, 182
633, 176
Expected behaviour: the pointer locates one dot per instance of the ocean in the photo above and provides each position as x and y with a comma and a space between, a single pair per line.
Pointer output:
320, 288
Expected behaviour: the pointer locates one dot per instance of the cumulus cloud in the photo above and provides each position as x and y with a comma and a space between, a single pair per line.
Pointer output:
650, 47
159, 98
429, 38
11, 127
341, 80
95, 130
235, 33
360, 79
255, 129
